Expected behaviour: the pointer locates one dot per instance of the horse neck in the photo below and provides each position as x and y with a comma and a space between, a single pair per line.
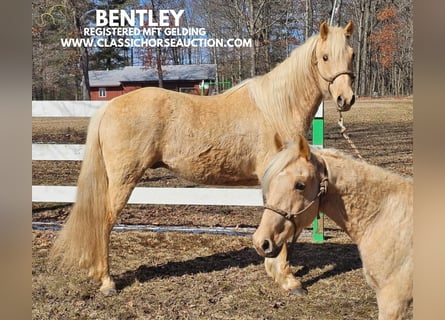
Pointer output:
356, 192
289, 95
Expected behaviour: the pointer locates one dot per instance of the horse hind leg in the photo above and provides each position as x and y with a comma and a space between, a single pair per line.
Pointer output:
120, 186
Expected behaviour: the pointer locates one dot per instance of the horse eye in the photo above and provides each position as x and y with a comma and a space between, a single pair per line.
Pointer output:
299, 186
325, 57
353, 55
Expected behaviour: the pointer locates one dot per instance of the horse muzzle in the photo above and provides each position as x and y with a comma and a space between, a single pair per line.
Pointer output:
266, 248
344, 104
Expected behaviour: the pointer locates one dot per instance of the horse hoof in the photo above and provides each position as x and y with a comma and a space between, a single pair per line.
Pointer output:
299, 292
109, 292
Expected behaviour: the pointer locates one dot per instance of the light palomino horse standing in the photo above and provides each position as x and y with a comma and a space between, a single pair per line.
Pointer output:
374, 206
218, 140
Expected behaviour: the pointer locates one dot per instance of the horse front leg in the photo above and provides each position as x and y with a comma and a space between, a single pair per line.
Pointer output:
394, 300
279, 269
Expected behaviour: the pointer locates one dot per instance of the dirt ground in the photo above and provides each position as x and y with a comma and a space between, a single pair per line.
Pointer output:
173, 275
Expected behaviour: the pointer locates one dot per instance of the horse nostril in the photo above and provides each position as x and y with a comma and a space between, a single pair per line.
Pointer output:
266, 246
340, 101
352, 99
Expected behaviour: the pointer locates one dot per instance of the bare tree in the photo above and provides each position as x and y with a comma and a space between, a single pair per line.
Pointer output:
308, 19
56, 72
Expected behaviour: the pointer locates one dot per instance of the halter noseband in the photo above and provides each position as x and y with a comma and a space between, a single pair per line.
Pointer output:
332, 79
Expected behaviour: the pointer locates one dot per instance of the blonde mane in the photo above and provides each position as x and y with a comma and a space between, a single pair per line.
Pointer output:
280, 93
289, 89
280, 161
349, 161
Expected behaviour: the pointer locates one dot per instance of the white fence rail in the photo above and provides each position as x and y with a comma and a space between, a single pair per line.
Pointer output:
57, 151
140, 195
65, 108
146, 195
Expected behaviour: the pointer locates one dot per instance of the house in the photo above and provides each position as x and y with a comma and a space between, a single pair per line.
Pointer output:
107, 84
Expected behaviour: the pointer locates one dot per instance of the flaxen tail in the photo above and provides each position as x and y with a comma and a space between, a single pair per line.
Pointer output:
83, 239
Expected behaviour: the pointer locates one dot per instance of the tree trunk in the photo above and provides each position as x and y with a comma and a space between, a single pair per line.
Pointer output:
158, 52
85, 75
252, 50
308, 20
364, 61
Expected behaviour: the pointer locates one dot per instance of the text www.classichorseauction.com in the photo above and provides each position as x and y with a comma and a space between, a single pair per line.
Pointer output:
144, 28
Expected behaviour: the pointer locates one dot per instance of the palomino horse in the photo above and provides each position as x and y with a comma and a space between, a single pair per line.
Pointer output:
374, 206
225, 139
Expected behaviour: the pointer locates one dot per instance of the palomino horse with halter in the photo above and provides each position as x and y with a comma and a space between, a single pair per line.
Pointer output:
374, 206
225, 139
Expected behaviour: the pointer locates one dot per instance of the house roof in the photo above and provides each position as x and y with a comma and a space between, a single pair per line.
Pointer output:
112, 78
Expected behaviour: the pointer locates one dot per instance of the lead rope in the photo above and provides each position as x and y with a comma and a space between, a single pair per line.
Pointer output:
346, 136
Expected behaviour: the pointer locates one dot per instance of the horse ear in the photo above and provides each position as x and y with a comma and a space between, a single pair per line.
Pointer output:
324, 30
303, 147
349, 29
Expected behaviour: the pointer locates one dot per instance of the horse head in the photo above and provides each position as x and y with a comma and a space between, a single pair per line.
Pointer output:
292, 185
333, 57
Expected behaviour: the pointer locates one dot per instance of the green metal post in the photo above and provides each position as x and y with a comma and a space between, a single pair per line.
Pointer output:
318, 140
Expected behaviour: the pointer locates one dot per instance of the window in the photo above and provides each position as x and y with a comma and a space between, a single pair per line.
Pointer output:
102, 92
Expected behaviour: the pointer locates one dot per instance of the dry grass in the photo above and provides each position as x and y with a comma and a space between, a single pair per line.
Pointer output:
186, 276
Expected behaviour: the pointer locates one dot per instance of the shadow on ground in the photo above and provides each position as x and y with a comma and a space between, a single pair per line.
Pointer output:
341, 257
